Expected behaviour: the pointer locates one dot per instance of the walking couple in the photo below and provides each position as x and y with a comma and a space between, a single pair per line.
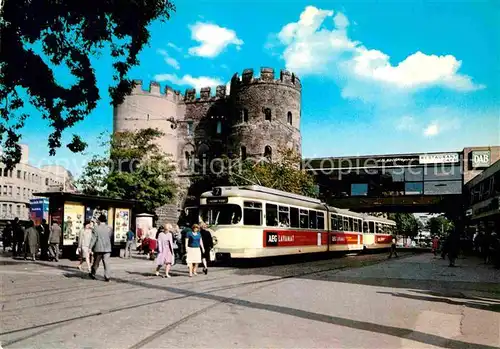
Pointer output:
198, 246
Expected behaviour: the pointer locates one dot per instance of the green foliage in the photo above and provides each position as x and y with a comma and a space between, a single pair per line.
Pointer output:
134, 169
439, 226
69, 33
406, 224
283, 174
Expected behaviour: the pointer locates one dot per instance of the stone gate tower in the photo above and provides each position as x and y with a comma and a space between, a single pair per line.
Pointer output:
258, 116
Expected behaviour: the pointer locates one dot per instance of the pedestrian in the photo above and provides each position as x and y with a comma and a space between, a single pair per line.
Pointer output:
435, 245
193, 243
18, 237
100, 245
84, 244
44, 240
165, 250
31, 241
54, 240
129, 243
393, 248
208, 244
7, 235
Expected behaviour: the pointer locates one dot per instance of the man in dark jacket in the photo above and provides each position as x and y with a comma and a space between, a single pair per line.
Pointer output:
206, 236
18, 237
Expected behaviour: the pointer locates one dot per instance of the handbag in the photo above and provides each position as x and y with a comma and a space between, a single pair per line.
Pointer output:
212, 255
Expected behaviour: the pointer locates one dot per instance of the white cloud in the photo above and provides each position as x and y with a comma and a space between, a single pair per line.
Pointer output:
433, 121
310, 47
432, 129
188, 80
213, 39
169, 60
174, 46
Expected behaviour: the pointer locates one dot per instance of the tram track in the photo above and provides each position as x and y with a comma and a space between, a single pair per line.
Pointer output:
47, 327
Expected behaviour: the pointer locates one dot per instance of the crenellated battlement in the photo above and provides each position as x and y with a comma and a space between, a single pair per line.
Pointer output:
154, 89
267, 75
205, 94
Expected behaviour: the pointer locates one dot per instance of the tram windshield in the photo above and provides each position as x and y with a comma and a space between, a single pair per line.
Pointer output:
221, 214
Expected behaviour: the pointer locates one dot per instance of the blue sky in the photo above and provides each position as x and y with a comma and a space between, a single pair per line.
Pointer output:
378, 77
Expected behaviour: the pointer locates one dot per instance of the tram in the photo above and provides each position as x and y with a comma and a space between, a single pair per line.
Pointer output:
255, 221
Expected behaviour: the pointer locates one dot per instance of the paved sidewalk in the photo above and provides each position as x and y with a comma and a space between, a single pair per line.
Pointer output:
414, 301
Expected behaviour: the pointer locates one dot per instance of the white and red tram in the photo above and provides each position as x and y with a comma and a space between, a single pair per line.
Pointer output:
254, 221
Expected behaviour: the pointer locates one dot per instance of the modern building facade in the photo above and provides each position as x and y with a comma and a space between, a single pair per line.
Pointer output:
483, 199
412, 180
18, 186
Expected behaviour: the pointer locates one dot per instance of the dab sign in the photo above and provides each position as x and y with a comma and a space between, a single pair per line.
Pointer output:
481, 159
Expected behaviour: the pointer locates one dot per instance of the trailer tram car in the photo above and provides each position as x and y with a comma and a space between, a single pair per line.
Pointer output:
254, 221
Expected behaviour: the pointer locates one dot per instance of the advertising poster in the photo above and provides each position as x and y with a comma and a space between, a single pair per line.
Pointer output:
110, 217
56, 216
39, 209
74, 215
122, 224
92, 213
143, 224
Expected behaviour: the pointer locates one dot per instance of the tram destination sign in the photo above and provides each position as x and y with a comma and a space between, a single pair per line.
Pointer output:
218, 200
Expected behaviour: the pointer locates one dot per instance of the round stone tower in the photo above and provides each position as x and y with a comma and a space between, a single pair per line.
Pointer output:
267, 113
150, 109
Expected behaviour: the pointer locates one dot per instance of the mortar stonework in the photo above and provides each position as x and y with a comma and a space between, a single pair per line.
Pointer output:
216, 123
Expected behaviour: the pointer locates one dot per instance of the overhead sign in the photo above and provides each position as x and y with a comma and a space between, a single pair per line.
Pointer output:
481, 159
443, 158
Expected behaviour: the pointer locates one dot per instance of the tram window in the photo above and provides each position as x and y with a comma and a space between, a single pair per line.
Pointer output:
372, 227
355, 227
252, 214
294, 217
365, 227
351, 224
304, 219
312, 219
284, 216
321, 220
218, 214
271, 215
346, 224
333, 222
340, 223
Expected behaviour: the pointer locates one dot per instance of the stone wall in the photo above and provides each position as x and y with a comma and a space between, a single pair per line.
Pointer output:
213, 124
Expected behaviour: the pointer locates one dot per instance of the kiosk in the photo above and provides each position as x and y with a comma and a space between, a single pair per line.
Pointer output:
72, 210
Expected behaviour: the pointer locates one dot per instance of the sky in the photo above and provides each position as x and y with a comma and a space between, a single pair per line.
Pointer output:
378, 77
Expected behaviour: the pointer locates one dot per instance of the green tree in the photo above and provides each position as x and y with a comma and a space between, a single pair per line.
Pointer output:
282, 174
406, 224
134, 169
439, 226
68, 34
